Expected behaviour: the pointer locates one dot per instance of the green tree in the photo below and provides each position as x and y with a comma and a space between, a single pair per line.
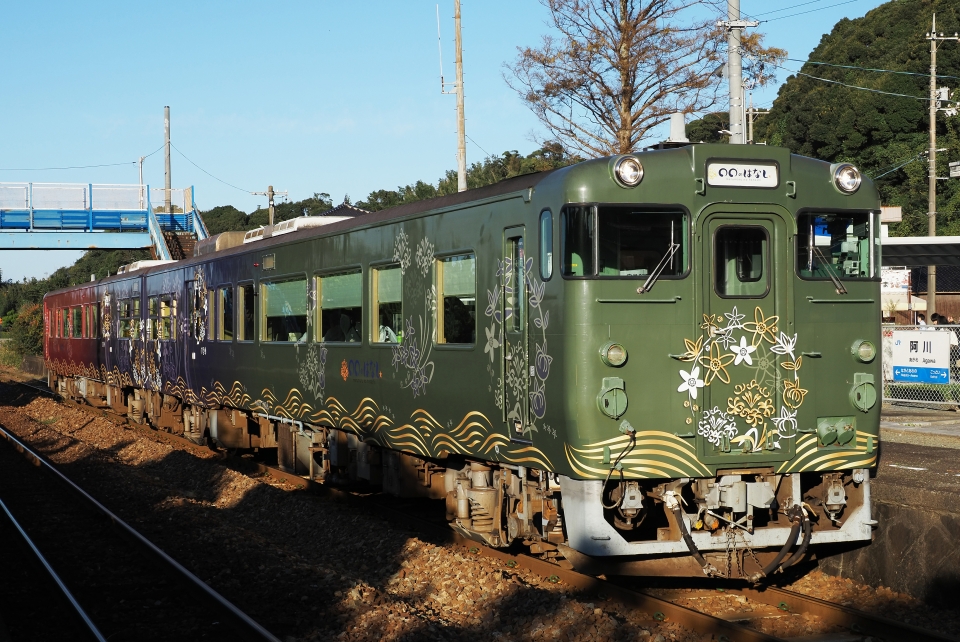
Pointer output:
27, 330
707, 129
877, 120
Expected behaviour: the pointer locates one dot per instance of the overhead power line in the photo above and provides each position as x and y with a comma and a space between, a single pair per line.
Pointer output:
885, 71
209, 174
839, 4
48, 169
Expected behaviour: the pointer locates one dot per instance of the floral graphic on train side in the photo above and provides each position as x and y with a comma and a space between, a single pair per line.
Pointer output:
414, 347
728, 345
525, 371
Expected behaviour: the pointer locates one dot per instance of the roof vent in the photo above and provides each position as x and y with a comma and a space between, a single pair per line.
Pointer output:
140, 265
218, 243
293, 225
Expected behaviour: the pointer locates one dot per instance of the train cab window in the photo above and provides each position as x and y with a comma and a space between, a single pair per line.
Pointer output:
577, 231
546, 245
740, 254
387, 288
634, 242
76, 322
457, 299
340, 313
167, 328
225, 325
835, 244
245, 330
283, 311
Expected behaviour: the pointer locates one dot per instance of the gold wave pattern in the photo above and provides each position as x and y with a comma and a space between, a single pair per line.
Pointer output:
656, 454
811, 458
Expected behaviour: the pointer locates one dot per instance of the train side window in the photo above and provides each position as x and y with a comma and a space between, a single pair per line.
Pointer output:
85, 320
77, 322
95, 321
59, 330
153, 318
836, 243
577, 231
387, 284
65, 323
283, 311
457, 299
225, 325
167, 329
546, 245
247, 301
740, 254
212, 333
340, 312
129, 315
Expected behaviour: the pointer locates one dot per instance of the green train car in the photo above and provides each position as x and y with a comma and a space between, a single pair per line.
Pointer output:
658, 363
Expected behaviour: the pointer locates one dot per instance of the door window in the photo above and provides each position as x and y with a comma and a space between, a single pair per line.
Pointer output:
740, 256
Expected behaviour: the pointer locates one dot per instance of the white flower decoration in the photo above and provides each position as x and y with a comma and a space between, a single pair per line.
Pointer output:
724, 337
786, 423
743, 352
734, 319
785, 345
691, 381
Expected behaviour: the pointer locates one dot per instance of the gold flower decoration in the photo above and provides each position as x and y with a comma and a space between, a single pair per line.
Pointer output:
344, 370
762, 327
716, 363
710, 323
793, 394
694, 348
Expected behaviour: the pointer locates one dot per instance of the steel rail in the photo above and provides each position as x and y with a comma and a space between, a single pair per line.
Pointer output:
787, 601
859, 622
53, 575
231, 610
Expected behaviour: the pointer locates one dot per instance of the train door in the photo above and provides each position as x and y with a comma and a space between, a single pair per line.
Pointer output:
747, 359
515, 366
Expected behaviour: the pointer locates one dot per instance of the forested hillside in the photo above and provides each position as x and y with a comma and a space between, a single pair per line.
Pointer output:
15, 296
880, 128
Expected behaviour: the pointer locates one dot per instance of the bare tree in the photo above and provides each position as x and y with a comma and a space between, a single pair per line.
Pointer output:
618, 68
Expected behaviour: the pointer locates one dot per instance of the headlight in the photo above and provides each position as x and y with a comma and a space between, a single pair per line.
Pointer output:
847, 177
613, 354
864, 351
628, 171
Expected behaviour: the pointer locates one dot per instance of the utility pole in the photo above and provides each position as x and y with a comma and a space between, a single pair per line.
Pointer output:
933, 37
735, 26
166, 177
751, 114
140, 162
270, 194
458, 90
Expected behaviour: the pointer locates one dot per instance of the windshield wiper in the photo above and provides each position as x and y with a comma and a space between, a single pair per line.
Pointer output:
652, 279
833, 277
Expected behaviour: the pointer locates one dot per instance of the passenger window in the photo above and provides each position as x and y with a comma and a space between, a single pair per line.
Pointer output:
168, 317
740, 254
457, 299
129, 314
245, 323
340, 313
226, 314
212, 315
77, 322
60, 323
387, 284
834, 243
518, 285
283, 315
95, 321
577, 227
153, 318
546, 245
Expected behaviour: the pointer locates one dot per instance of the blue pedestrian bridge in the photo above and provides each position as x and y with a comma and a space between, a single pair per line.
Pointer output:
80, 216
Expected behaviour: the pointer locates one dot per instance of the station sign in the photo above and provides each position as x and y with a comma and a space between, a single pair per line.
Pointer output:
742, 174
920, 356
955, 169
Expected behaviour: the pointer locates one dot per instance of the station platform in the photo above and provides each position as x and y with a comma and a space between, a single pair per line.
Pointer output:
916, 499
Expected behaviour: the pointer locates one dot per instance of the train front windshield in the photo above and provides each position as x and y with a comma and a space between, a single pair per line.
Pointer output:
621, 241
836, 243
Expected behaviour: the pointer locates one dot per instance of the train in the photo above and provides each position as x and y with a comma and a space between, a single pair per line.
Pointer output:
657, 363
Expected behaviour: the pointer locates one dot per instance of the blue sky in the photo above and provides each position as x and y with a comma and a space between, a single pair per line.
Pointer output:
322, 96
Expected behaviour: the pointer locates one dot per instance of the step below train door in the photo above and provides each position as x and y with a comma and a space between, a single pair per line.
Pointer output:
747, 359
515, 365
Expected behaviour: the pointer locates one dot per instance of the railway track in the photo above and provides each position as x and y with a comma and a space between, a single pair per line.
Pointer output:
115, 584
740, 612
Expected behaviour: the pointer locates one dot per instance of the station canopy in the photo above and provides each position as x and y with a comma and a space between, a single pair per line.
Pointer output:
914, 251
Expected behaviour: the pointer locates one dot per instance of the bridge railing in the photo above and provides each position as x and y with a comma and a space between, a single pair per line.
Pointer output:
71, 196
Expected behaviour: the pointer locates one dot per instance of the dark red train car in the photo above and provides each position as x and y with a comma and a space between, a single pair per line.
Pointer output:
72, 329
